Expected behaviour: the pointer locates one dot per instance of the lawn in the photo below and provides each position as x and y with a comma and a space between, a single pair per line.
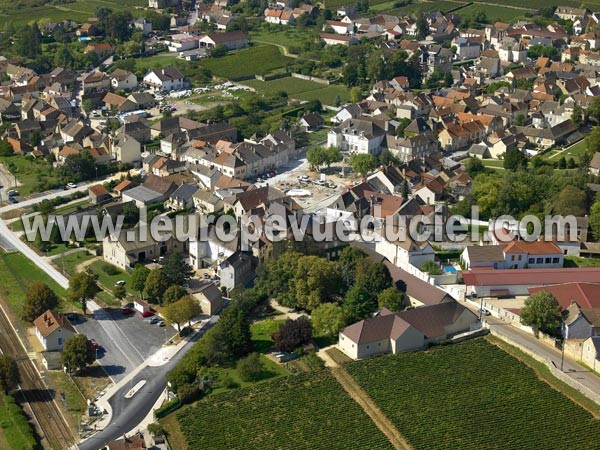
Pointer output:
108, 275
17, 273
74, 403
34, 175
309, 411
473, 395
327, 94
574, 261
300, 89
261, 334
68, 263
15, 431
251, 61
286, 38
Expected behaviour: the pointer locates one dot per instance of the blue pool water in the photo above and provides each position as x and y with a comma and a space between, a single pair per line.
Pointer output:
449, 269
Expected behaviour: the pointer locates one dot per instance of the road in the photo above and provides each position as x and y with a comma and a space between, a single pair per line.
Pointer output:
128, 413
33, 391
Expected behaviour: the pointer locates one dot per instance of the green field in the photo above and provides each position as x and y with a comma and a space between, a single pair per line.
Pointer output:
414, 8
286, 38
309, 411
30, 173
494, 13
301, 89
15, 431
251, 61
17, 273
574, 261
22, 12
472, 396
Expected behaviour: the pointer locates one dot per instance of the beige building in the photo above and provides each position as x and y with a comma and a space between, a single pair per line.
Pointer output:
53, 330
590, 352
411, 329
210, 299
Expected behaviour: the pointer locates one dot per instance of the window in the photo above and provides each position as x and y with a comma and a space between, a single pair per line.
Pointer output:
548, 260
512, 258
539, 260
520, 256
531, 260
555, 260
60, 342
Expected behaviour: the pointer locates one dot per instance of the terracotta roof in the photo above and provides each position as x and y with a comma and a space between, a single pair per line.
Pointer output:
586, 295
416, 288
532, 248
98, 190
51, 321
123, 185
530, 277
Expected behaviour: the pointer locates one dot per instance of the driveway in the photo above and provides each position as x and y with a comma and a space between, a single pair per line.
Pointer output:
125, 341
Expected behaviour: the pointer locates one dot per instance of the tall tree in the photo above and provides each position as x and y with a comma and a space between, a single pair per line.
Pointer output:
376, 278
173, 294
391, 298
514, 160
156, 285
38, 299
594, 220
182, 311
317, 281
542, 312
569, 201
349, 260
327, 319
9, 373
358, 304
138, 278
177, 270
77, 352
82, 287
292, 334
363, 163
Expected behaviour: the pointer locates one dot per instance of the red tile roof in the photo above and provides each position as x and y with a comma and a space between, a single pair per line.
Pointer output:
586, 295
530, 277
532, 248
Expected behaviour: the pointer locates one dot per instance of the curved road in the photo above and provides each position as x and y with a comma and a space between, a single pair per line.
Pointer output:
127, 414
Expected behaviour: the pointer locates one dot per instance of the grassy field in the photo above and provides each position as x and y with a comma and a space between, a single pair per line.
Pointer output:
301, 89
286, 38
254, 60
68, 263
310, 411
75, 404
30, 173
17, 273
15, 430
22, 12
574, 261
473, 395
494, 13
414, 8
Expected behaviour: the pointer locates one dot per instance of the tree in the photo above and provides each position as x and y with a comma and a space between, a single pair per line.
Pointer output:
542, 312
219, 50
9, 373
234, 327
88, 106
250, 368
316, 157
350, 257
173, 294
355, 94
391, 298
45, 207
332, 155
375, 279
363, 163
78, 167
327, 319
593, 110
138, 278
592, 140
82, 287
403, 123
77, 352
156, 285
317, 280
119, 292
519, 120
431, 268
594, 219
514, 159
358, 304
570, 201
182, 311
38, 299
577, 115
5, 148
474, 167
422, 27
177, 270
293, 334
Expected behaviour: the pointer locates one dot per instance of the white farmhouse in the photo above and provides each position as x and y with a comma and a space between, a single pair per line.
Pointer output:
167, 79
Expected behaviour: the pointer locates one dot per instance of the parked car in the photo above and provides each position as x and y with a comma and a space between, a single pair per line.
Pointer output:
127, 311
154, 320
120, 283
72, 317
94, 345
13, 200
147, 314
71, 185
485, 312
12, 193
162, 323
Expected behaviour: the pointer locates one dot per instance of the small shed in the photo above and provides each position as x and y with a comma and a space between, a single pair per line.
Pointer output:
52, 360
141, 306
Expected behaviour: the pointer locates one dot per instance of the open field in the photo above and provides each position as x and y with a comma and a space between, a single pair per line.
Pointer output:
30, 173
474, 395
301, 89
310, 411
254, 60
494, 13
15, 430
287, 38
17, 273
574, 261
22, 12
414, 8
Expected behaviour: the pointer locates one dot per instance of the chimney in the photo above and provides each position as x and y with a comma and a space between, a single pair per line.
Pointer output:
45, 317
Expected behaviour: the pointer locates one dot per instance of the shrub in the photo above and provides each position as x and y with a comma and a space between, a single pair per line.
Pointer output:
250, 368
111, 270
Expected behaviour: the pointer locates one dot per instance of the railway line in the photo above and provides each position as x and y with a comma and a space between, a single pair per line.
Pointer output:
34, 392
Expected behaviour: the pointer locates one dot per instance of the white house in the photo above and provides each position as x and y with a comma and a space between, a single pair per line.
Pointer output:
127, 149
166, 79
53, 330
406, 252
123, 80
363, 135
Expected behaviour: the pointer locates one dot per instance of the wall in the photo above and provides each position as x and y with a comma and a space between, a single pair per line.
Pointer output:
310, 78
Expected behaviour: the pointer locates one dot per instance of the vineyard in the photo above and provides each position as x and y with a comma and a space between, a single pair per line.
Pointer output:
309, 411
472, 396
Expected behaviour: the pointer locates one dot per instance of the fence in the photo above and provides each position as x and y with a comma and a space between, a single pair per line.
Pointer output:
311, 78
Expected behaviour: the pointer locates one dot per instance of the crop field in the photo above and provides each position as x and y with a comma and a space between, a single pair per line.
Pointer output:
472, 396
414, 8
301, 89
494, 13
22, 11
309, 411
251, 61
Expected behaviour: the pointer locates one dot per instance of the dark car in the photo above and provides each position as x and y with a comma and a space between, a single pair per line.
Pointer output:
147, 314
127, 311
94, 345
13, 200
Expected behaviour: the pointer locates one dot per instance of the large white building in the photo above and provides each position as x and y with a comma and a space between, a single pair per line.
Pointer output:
364, 135
166, 79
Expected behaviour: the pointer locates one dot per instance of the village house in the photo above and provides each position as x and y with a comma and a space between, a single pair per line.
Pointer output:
53, 329
166, 79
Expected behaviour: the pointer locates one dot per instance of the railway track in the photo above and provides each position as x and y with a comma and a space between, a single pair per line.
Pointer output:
34, 392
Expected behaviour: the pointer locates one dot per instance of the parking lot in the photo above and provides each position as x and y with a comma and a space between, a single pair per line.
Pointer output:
125, 341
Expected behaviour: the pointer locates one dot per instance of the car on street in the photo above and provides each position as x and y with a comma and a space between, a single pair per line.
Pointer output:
13, 200
127, 311
147, 314
161, 323
12, 193
71, 185
94, 345
485, 311
153, 320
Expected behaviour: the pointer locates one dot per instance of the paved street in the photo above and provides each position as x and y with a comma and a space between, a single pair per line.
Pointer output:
126, 341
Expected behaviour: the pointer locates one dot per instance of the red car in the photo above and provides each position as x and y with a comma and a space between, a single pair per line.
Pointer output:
127, 311
147, 314
94, 345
